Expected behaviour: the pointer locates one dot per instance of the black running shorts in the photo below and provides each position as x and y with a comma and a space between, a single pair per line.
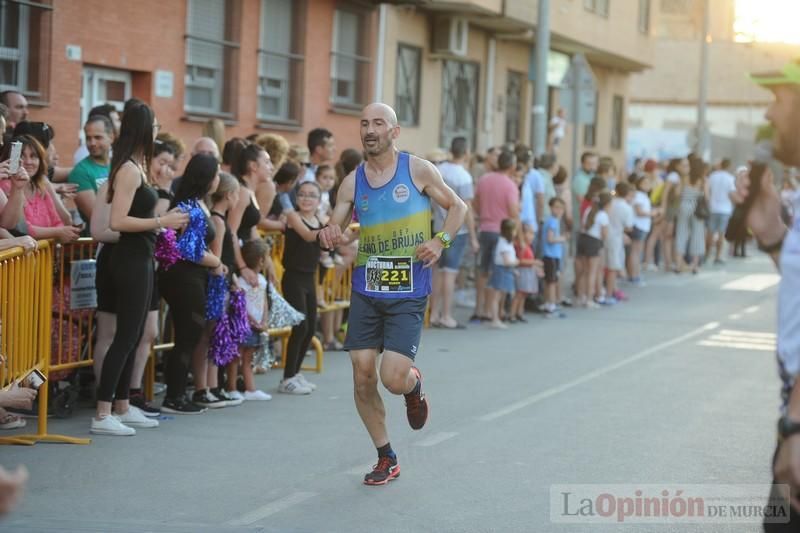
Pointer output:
393, 324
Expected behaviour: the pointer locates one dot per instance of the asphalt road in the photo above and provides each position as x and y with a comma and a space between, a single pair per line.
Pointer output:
676, 386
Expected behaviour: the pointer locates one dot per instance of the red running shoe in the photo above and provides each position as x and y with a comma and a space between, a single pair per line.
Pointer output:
382, 473
417, 405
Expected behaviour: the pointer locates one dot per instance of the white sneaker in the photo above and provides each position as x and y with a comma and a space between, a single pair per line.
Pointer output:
235, 394
135, 417
257, 395
110, 425
293, 386
303, 381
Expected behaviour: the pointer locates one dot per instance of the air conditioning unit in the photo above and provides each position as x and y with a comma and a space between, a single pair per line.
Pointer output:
450, 36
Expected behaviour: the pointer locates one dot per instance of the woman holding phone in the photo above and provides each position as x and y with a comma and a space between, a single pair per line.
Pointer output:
43, 213
132, 214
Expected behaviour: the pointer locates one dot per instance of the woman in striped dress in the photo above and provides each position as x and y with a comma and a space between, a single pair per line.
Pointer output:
690, 232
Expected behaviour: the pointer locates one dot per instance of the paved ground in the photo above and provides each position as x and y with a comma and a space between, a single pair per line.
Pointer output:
668, 388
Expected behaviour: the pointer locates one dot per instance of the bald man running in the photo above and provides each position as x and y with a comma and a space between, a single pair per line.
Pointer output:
391, 193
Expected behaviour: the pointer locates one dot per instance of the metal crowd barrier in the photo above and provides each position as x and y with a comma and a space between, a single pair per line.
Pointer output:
26, 296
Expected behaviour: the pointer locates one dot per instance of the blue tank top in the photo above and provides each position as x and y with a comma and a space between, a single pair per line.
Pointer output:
395, 219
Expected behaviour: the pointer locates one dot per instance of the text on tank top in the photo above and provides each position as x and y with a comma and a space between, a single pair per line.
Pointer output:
395, 219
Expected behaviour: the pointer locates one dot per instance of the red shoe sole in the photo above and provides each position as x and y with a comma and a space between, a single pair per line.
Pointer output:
392, 476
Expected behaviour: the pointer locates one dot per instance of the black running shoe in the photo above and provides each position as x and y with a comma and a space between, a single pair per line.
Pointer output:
180, 406
225, 397
417, 405
204, 398
382, 473
138, 400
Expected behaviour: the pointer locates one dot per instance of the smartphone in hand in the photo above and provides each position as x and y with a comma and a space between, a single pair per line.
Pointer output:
16, 153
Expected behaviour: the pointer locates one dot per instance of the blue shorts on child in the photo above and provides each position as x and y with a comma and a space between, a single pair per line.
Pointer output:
502, 278
253, 340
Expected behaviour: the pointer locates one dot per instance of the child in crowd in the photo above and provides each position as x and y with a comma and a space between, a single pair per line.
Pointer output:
221, 200
620, 218
326, 179
553, 252
594, 231
642, 223
608, 173
527, 280
502, 278
254, 254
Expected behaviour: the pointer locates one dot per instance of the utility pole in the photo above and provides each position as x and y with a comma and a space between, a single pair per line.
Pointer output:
539, 122
701, 146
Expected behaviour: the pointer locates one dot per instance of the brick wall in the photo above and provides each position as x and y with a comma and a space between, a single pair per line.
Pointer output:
148, 35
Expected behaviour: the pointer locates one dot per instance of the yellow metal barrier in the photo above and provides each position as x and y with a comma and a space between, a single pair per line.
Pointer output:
26, 292
72, 329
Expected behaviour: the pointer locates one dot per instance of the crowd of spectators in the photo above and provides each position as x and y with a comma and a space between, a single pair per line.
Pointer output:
535, 240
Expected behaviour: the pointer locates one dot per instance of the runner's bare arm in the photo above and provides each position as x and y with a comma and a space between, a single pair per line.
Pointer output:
331, 235
428, 179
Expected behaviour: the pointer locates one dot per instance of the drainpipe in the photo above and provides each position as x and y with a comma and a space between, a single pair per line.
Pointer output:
488, 107
381, 59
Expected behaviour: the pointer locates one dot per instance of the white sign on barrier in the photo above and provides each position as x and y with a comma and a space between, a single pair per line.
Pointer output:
83, 294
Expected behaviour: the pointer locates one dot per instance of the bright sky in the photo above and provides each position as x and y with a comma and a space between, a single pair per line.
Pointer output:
768, 21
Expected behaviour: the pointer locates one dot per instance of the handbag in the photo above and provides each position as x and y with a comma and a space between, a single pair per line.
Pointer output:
701, 210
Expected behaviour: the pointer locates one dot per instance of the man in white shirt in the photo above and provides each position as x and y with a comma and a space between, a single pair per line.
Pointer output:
721, 183
455, 175
558, 129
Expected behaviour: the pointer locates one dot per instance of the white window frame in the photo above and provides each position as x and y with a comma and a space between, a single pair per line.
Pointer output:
288, 92
645, 8
350, 100
599, 7
415, 92
21, 53
217, 83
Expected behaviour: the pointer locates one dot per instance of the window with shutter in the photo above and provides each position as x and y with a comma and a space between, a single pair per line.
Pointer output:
349, 57
280, 61
24, 28
210, 47
407, 84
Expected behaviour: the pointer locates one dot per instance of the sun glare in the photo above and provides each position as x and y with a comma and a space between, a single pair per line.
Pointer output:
767, 21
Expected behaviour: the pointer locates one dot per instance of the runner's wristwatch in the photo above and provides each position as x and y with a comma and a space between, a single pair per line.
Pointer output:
787, 427
445, 238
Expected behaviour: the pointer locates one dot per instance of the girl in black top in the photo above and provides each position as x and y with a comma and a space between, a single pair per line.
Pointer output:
160, 177
300, 259
183, 286
252, 168
226, 195
132, 204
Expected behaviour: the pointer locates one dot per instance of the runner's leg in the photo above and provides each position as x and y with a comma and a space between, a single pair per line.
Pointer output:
368, 401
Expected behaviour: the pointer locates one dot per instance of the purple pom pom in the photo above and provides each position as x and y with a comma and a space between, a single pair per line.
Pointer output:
237, 314
166, 250
223, 348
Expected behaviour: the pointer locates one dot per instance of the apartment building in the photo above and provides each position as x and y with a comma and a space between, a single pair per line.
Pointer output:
663, 111
466, 67
259, 65
449, 67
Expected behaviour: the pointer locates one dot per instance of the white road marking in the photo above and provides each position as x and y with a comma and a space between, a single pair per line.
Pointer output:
594, 374
436, 438
271, 508
742, 340
751, 309
738, 345
753, 282
735, 316
748, 334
